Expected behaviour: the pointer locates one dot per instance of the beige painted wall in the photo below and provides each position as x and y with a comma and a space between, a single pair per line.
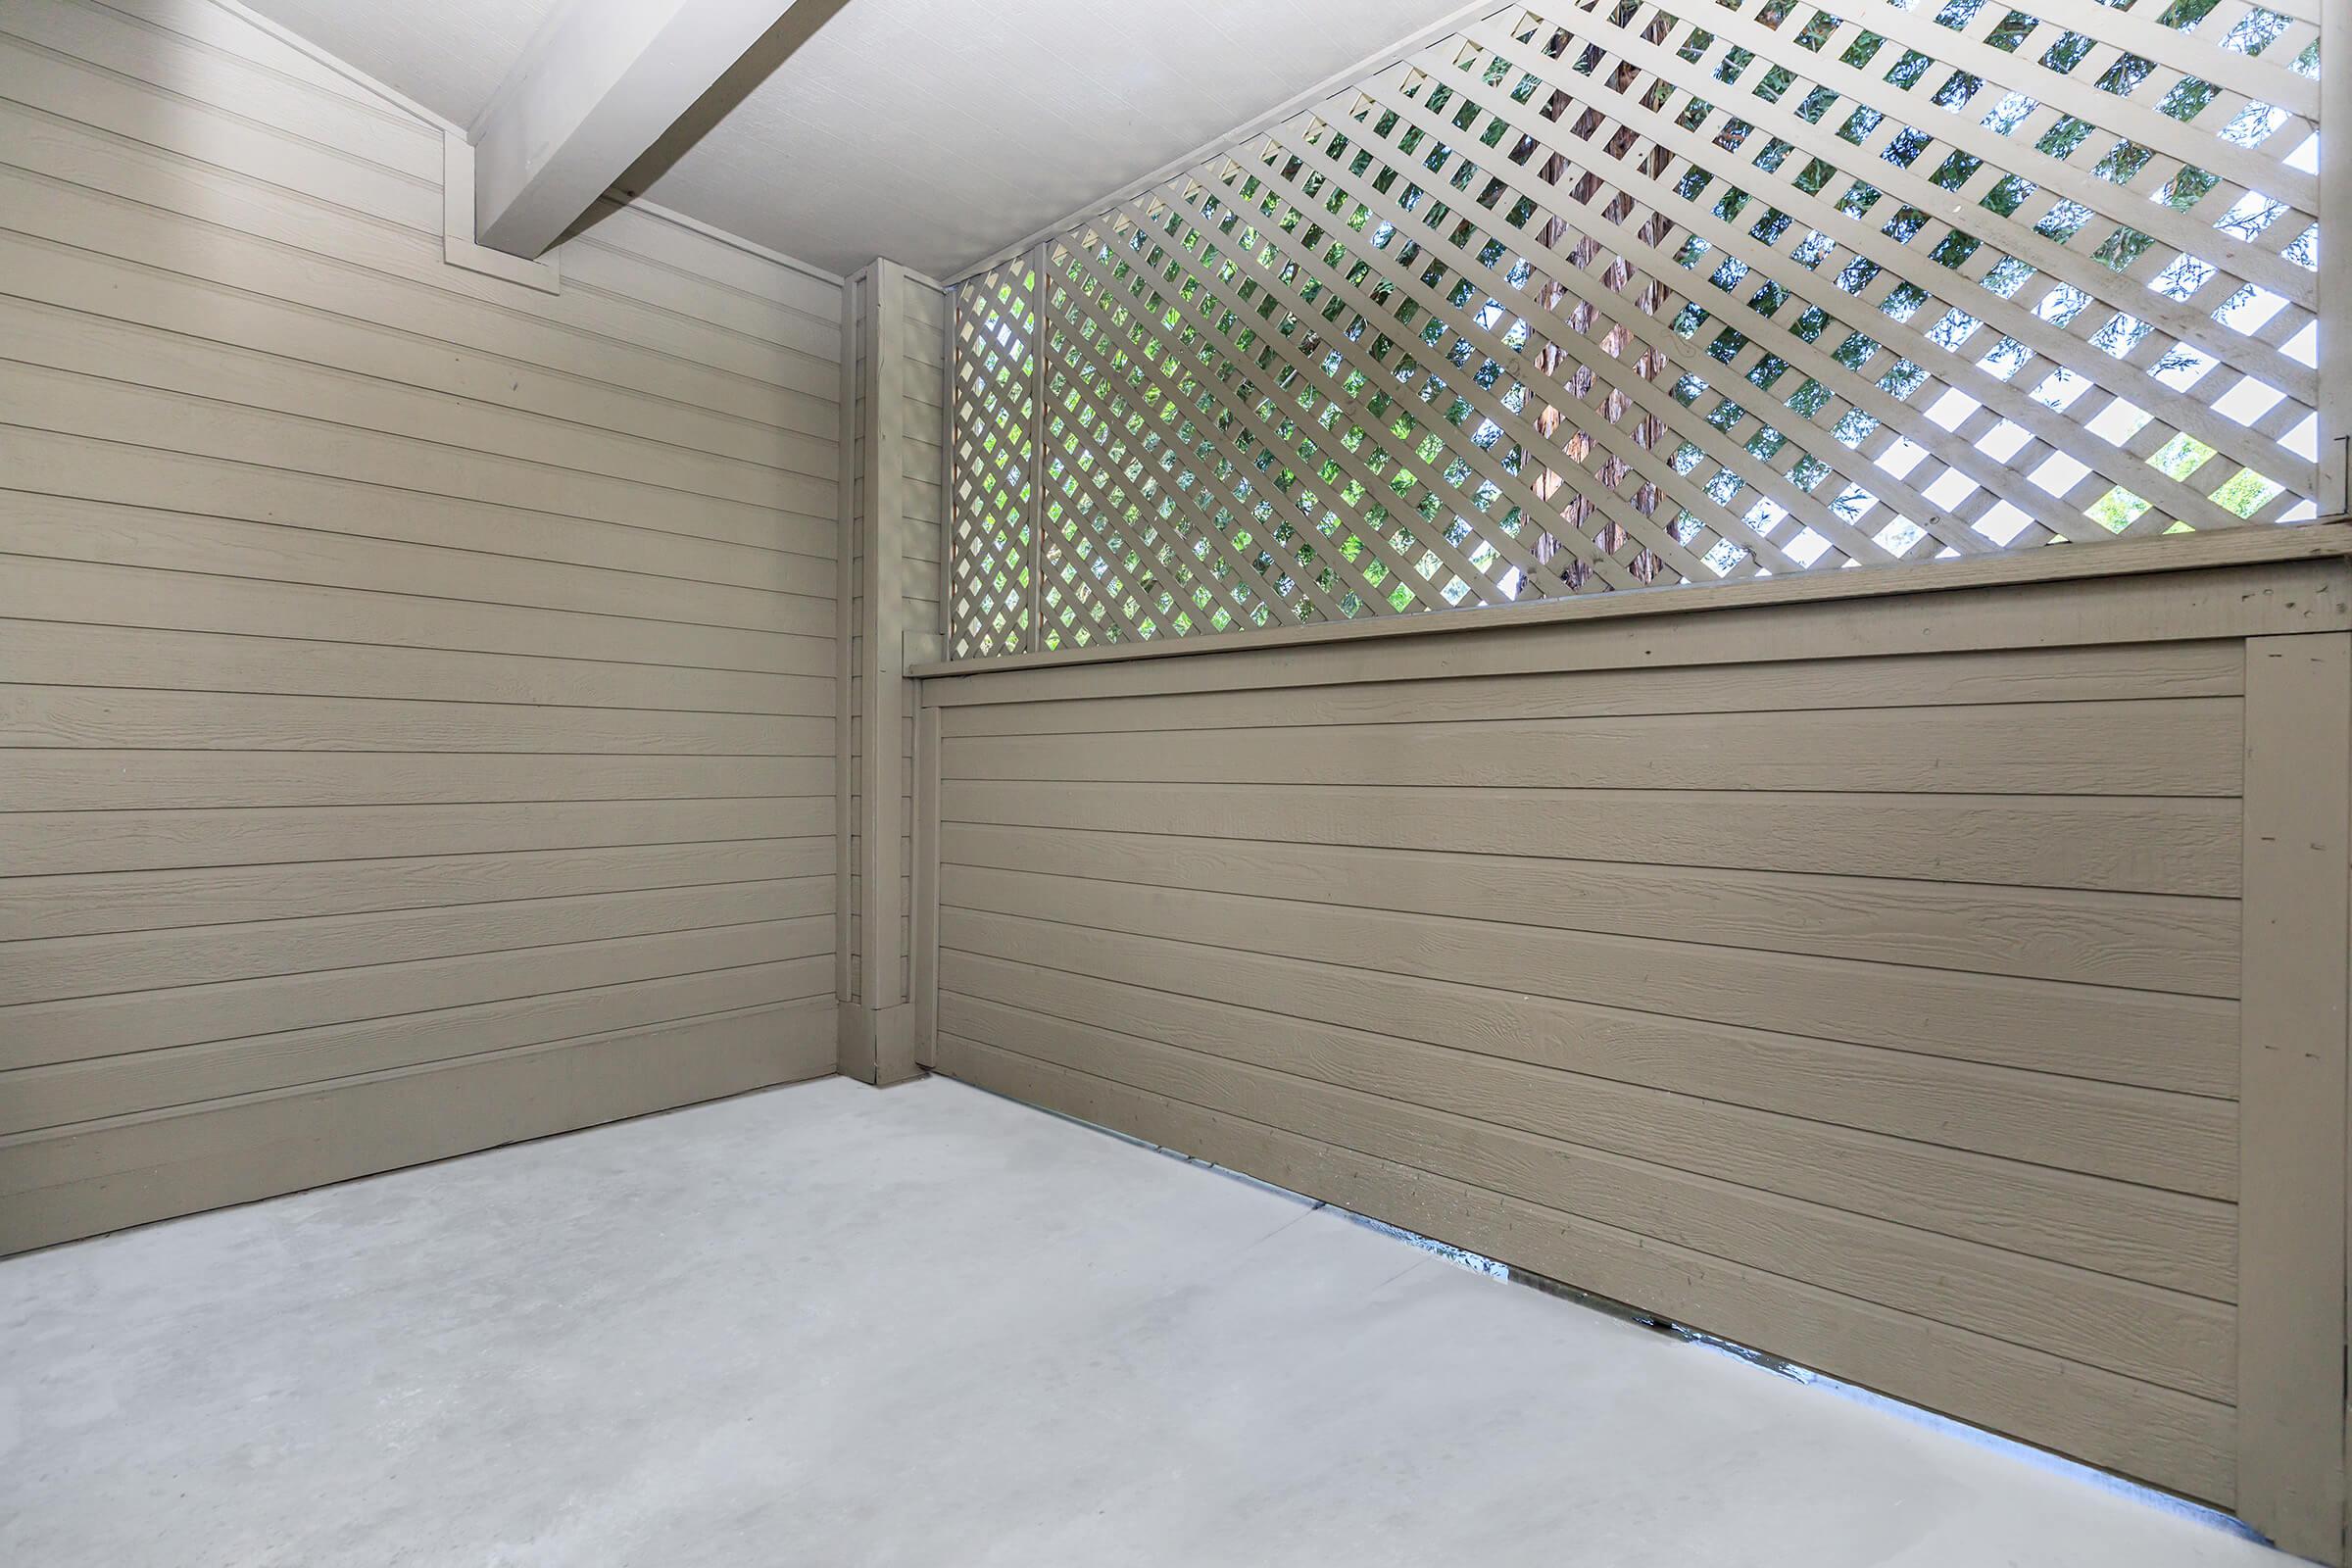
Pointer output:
895, 343
1943, 990
418, 689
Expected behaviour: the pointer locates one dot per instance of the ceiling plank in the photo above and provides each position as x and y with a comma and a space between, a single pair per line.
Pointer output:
599, 88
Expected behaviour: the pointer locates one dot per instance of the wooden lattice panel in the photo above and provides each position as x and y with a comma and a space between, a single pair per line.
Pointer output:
1600, 295
993, 421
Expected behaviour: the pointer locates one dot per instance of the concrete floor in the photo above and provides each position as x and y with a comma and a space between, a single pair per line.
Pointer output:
824, 1325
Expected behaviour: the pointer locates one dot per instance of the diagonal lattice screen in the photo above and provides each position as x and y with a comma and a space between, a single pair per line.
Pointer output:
1605, 296
993, 405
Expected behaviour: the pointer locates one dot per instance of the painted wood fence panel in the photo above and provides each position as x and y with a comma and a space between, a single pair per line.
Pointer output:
1940, 987
416, 693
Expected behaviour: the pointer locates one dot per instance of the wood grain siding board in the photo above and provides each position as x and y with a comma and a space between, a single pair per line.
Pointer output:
34, 717
170, 45
1994, 678
186, 413
105, 1176
2184, 746
195, 274
655, 238
45, 969
2178, 1441
93, 904
217, 27
108, 533
600, 268
44, 79
2298, 966
120, 472
2150, 1038
140, 658
415, 687
113, 780
2068, 1125
129, 47
76, 1030
2162, 1337
78, 342
49, 844
33, 588
1694, 1107
69, 277
2143, 941
37, 1098
2178, 845
227, 228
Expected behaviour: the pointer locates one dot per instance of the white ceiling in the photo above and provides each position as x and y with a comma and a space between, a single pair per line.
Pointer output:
930, 131
449, 55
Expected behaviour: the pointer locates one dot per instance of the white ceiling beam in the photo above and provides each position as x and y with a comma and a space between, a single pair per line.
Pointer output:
596, 90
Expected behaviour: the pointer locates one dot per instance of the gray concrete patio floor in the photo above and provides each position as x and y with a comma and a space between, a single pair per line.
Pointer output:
826, 1325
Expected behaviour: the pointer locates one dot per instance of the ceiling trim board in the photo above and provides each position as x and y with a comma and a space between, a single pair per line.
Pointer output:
340, 67
639, 204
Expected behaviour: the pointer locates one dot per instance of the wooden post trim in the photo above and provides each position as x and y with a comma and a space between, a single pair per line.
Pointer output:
2335, 258
924, 925
844, 632
2297, 979
878, 1031
949, 345
881, 980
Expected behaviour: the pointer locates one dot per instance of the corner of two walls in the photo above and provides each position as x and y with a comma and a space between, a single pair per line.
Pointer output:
894, 505
417, 690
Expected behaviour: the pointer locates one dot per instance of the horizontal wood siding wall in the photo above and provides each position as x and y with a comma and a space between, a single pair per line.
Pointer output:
1877, 1008
416, 689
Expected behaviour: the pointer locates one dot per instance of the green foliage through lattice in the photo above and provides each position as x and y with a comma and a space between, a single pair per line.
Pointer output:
1581, 299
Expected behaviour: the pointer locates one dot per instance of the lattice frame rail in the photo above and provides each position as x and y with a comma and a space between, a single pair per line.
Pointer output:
1595, 295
